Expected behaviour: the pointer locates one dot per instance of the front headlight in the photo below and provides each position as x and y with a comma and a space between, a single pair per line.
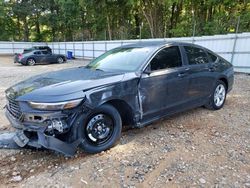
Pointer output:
56, 106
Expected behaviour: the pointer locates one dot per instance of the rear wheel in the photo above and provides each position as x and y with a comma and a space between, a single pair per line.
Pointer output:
218, 98
31, 62
60, 60
101, 129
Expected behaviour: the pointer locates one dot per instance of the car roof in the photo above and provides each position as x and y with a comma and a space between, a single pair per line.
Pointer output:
40, 46
158, 44
37, 50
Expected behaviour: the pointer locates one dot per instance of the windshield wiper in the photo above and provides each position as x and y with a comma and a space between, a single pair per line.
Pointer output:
99, 70
92, 68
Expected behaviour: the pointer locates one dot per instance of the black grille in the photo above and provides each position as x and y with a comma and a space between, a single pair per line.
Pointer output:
14, 109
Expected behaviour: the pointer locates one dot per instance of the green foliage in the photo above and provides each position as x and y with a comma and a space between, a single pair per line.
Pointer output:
67, 20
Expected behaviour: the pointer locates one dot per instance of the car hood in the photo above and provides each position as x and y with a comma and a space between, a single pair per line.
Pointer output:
54, 85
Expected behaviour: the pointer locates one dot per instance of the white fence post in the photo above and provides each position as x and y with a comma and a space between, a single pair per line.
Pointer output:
233, 50
93, 49
235, 40
13, 47
82, 49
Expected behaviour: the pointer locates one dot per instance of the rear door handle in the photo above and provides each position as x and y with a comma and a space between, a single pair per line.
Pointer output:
184, 72
211, 69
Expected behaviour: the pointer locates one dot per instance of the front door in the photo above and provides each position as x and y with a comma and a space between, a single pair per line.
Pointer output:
163, 85
46, 57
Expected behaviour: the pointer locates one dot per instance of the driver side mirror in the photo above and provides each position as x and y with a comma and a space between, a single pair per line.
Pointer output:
148, 70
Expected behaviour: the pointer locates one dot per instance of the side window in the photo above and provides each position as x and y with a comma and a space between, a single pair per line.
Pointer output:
37, 53
196, 55
45, 52
166, 58
212, 56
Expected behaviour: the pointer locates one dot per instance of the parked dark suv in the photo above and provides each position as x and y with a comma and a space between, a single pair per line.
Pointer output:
131, 85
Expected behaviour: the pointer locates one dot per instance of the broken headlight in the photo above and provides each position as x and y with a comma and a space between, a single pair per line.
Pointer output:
56, 106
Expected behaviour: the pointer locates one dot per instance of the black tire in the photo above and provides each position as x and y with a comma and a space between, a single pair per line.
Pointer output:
212, 104
60, 60
109, 119
31, 62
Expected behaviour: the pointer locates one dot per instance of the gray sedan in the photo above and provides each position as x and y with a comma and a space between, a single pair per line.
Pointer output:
39, 57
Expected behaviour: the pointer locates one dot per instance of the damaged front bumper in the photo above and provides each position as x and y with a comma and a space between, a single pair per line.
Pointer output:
46, 141
54, 132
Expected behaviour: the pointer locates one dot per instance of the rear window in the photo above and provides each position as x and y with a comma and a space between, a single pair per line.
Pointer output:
212, 56
196, 55
45, 52
27, 50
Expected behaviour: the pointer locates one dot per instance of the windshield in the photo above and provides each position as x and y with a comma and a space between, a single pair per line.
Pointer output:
121, 59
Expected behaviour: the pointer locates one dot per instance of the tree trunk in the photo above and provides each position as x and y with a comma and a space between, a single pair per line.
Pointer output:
38, 31
150, 24
109, 28
26, 30
171, 20
137, 25
19, 29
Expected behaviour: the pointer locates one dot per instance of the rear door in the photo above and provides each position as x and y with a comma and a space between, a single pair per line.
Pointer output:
201, 73
38, 56
163, 84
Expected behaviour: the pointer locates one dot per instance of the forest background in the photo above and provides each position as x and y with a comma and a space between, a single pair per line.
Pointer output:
85, 20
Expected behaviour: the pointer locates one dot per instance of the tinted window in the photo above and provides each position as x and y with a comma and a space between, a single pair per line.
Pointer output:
45, 52
37, 53
27, 50
212, 56
196, 55
167, 58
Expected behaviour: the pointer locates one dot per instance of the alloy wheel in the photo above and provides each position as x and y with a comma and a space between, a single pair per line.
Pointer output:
219, 95
31, 62
60, 60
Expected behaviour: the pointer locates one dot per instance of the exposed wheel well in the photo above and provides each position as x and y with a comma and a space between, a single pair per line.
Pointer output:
225, 81
124, 110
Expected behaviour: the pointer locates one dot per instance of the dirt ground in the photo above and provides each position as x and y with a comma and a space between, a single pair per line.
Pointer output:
197, 148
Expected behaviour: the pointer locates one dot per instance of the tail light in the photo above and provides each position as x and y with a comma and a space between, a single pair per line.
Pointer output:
20, 56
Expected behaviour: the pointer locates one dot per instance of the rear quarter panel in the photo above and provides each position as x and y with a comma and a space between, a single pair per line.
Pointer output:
225, 70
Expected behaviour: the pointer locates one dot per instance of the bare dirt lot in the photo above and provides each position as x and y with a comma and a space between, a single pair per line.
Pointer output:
197, 148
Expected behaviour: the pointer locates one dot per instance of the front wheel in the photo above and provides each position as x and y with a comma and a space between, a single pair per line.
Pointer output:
218, 98
101, 129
